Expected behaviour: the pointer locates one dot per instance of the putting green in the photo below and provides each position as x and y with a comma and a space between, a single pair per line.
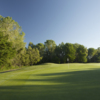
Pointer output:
52, 82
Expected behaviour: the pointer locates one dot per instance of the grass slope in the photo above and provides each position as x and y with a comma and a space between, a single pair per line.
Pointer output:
52, 82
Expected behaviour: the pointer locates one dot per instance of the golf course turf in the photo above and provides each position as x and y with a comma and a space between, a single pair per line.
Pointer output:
52, 82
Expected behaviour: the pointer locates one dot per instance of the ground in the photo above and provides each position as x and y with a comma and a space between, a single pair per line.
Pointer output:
52, 82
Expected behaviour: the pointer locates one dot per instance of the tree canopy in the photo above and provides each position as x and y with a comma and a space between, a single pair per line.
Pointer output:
14, 52
6, 50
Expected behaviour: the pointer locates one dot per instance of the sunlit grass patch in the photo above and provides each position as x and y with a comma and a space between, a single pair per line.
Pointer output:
52, 82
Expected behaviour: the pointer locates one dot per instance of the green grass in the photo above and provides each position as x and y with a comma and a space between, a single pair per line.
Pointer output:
52, 82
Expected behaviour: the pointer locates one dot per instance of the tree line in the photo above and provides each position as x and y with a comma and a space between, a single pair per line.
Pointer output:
76, 53
14, 53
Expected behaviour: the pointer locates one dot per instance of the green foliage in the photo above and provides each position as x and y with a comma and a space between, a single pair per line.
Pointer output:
14, 31
96, 57
60, 52
69, 52
6, 50
31, 45
40, 47
56, 59
12, 42
34, 55
91, 53
82, 53
15, 35
50, 46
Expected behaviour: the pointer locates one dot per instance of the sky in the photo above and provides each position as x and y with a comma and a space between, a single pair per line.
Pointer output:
68, 21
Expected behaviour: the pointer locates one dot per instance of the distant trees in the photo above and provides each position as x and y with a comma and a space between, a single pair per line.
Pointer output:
34, 55
40, 47
96, 55
82, 53
14, 53
91, 53
69, 51
50, 46
50, 52
64, 51
61, 53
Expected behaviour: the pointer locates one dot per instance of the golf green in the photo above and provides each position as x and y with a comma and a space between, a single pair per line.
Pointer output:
52, 82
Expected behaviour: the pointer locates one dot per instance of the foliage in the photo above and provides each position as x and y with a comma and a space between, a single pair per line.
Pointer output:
40, 47
82, 53
91, 53
15, 35
34, 55
50, 46
12, 42
6, 50
69, 52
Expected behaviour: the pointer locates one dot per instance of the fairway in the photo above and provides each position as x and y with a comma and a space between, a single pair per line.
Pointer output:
52, 82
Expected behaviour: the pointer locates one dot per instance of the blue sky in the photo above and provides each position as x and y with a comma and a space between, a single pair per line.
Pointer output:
73, 21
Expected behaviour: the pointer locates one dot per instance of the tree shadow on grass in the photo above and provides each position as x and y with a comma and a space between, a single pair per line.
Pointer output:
9, 70
76, 85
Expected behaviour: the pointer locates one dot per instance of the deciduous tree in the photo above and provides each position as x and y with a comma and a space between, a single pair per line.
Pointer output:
6, 50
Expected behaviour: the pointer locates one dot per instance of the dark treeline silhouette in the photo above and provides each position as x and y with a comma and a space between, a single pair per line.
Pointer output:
14, 53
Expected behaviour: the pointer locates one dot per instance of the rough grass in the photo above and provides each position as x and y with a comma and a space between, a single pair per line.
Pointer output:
52, 82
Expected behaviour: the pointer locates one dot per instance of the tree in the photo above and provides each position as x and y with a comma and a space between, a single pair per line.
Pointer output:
34, 55
82, 53
25, 59
40, 47
91, 53
50, 46
56, 57
14, 31
15, 35
69, 52
61, 52
6, 50
31, 45
96, 57
76, 45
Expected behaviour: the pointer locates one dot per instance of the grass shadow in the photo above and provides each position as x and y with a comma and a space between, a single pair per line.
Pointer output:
10, 70
76, 85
